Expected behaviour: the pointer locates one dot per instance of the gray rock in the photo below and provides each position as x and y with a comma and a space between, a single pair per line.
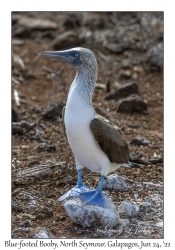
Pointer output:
15, 117
125, 74
134, 125
126, 64
22, 229
43, 213
133, 103
60, 217
124, 91
26, 223
15, 18
139, 141
117, 46
71, 21
128, 208
159, 224
145, 204
33, 202
90, 215
36, 24
114, 181
21, 32
155, 57
123, 223
52, 111
42, 233
32, 174
152, 198
156, 62
94, 22
156, 160
17, 42
145, 207
17, 207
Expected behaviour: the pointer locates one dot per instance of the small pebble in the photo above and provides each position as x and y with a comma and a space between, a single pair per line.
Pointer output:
128, 208
116, 182
123, 223
25, 223
43, 234
159, 224
145, 204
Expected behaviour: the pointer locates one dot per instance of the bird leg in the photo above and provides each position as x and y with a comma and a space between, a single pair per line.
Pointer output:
79, 181
94, 197
75, 191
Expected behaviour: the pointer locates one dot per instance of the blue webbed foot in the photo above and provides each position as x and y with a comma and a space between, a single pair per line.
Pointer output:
93, 197
75, 191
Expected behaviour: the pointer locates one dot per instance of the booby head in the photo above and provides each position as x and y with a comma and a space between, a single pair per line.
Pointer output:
75, 56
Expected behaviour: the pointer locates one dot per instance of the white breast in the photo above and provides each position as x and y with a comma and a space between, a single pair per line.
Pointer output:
78, 115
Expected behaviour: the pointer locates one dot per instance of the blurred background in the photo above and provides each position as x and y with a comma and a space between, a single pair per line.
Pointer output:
129, 91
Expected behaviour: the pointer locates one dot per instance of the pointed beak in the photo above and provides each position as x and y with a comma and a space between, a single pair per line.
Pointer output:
62, 55
65, 56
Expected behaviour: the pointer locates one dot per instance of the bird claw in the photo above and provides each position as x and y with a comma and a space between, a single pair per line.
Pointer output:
93, 197
75, 191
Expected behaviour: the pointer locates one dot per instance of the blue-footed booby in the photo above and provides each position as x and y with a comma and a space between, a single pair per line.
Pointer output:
97, 144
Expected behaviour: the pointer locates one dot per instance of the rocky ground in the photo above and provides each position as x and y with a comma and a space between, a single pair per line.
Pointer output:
129, 51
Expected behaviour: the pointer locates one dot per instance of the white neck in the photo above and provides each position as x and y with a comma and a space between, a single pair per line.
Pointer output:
85, 80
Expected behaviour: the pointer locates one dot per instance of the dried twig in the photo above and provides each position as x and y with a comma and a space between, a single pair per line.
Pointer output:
28, 126
35, 59
18, 60
16, 97
136, 182
15, 80
118, 104
36, 169
37, 136
109, 108
153, 184
106, 58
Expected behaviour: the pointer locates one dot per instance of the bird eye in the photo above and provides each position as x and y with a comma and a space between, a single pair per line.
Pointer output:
76, 54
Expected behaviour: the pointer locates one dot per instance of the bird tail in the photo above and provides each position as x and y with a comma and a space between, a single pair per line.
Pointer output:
137, 163
132, 163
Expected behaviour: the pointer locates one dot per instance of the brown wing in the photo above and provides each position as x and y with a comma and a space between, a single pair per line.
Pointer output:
110, 139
